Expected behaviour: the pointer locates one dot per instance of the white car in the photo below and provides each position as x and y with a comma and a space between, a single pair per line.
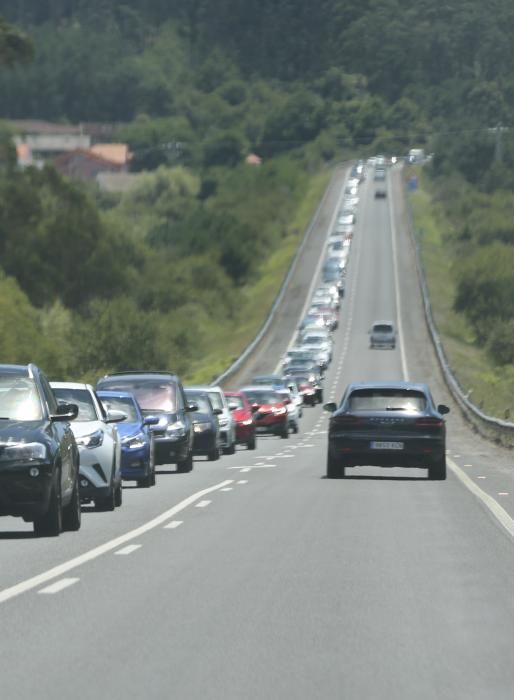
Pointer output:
225, 418
293, 407
99, 445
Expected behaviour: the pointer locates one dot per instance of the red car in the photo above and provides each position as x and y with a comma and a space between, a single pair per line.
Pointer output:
269, 410
243, 417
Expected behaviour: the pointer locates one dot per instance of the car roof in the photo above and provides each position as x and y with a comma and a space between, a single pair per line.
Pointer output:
18, 370
383, 323
413, 386
71, 385
138, 374
116, 394
204, 387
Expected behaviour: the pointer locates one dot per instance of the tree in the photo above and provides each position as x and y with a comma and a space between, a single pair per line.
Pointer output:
15, 45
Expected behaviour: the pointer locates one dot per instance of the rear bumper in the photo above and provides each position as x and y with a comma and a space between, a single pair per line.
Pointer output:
203, 443
416, 452
244, 433
171, 451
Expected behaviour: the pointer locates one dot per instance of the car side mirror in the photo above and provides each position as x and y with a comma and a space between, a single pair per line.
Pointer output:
233, 406
115, 416
217, 411
442, 409
192, 407
151, 420
331, 407
255, 407
65, 412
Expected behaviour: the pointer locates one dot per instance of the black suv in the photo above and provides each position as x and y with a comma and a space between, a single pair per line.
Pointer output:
39, 460
160, 394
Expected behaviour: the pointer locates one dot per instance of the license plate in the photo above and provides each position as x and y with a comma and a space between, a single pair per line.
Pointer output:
387, 445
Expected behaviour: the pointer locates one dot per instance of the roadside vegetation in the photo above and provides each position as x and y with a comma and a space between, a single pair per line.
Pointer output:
181, 271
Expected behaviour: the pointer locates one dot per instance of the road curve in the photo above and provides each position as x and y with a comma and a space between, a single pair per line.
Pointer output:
255, 577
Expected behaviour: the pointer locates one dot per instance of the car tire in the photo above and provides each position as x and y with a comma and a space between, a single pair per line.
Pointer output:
285, 433
319, 396
72, 514
107, 503
214, 454
335, 470
437, 470
296, 428
251, 444
50, 524
118, 495
146, 482
185, 466
230, 450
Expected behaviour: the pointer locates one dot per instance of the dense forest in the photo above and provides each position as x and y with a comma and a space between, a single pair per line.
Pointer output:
193, 86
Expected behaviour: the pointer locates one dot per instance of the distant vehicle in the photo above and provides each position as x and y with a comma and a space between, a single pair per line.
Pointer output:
269, 411
387, 424
293, 411
207, 440
39, 459
380, 193
243, 417
137, 459
225, 419
306, 388
160, 394
379, 175
98, 442
416, 155
309, 370
274, 380
382, 335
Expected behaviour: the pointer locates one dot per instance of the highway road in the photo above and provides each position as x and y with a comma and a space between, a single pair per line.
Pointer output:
256, 578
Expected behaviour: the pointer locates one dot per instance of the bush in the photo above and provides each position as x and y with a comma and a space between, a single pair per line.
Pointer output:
501, 343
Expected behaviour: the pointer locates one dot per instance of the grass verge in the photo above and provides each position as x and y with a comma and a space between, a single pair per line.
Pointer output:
489, 386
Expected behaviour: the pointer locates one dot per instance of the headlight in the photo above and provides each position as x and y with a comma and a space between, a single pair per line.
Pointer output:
176, 430
201, 427
223, 421
22, 451
134, 442
92, 440
247, 422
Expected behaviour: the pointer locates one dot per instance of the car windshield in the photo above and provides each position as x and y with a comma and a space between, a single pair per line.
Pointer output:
387, 400
216, 400
262, 397
382, 328
153, 395
202, 401
121, 403
19, 399
236, 400
82, 398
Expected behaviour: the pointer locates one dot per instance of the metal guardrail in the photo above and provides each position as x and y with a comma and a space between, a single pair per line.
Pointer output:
235, 366
488, 426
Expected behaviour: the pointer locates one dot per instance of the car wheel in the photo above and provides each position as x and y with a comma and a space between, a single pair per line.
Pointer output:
319, 396
214, 454
186, 465
285, 433
118, 495
335, 470
230, 450
108, 503
50, 524
72, 514
251, 444
437, 470
296, 428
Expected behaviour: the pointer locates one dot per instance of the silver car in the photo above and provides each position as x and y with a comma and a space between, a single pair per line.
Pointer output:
99, 445
382, 335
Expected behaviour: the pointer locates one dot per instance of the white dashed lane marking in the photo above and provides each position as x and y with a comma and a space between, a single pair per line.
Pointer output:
203, 504
242, 481
176, 523
128, 550
59, 586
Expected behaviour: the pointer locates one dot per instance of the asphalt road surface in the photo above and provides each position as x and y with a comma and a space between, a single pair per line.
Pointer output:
255, 577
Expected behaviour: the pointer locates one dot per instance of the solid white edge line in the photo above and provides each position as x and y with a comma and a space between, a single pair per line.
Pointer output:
490, 503
397, 282
56, 571
493, 506
58, 586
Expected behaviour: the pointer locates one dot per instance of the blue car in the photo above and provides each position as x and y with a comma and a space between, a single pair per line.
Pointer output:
137, 459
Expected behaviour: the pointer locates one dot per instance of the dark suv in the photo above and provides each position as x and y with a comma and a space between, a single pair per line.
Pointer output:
160, 394
39, 460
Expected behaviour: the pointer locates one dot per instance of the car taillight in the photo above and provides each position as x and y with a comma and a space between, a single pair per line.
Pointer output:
346, 420
428, 422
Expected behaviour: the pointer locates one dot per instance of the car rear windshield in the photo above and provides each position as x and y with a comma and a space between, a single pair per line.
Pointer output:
262, 397
151, 394
387, 400
19, 399
121, 403
237, 400
82, 398
382, 328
